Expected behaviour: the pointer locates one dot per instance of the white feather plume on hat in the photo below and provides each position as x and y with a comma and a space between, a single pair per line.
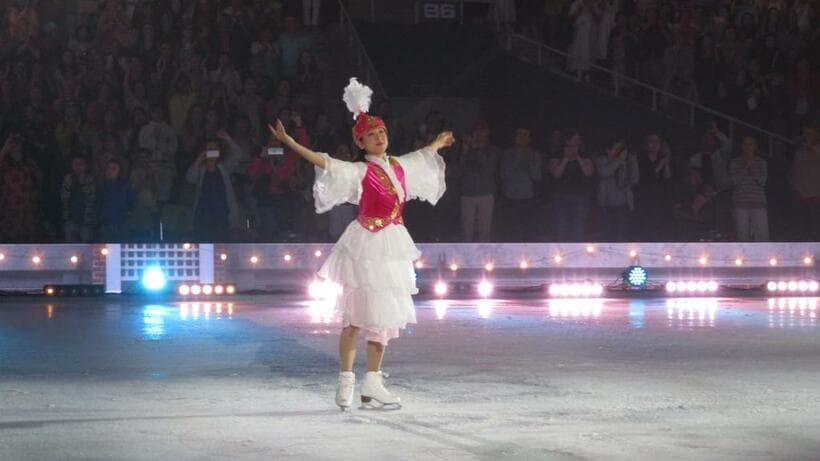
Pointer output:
357, 97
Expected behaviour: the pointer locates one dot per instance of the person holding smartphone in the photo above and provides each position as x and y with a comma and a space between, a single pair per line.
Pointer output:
215, 208
373, 259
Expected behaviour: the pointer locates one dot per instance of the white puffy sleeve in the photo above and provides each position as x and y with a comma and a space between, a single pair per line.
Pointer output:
339, 182
423, 174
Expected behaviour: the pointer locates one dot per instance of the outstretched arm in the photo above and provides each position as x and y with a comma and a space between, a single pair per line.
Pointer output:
280, 134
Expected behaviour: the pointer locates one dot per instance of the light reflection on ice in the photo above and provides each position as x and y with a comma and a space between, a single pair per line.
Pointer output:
321, 310
440, 306
485, 308
193, 311
575, 308
688, 313
153, 322
792, 312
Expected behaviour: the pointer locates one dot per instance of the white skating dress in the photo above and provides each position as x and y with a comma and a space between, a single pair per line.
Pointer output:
373, 259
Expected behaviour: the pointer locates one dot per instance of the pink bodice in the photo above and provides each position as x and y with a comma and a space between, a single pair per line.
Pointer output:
379, 204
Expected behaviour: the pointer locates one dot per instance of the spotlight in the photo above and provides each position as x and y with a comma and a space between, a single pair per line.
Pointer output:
633, 254
36, 260
523, 264
792, 286
671, 287
576, 290
419, 264
219, 289
50, 291
802, 286
207, 290
74, 259
636, 277
738, 262
317, 253
771, 286
703, 260
223, 256
287, 257
440, 288
196, 290
104, 252
485, 288
254, 259
186, 246
773, 261
590, 249
812, 285
153, 279
667, 258
782, 286
558, 258
808, 261
2, 256
230, 289
184, 290
454, 267
489, 267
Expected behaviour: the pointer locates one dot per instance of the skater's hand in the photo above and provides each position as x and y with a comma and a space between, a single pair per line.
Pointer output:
444, 139
279, 133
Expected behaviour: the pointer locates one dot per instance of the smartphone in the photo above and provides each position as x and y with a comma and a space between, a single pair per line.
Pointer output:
212, 153
275, 151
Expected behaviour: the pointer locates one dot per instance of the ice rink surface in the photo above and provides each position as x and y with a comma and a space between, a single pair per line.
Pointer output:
116, 378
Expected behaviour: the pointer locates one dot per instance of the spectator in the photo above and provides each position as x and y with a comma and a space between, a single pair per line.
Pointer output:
215, 209
79, 197
116, 199
291, 43
20, 182
584, 15
571, 172
180, 103
654, 189
693, 209
477, 170
141, 223
747, 174
806, 181
520, 169
618, 173
713, 159
160, 139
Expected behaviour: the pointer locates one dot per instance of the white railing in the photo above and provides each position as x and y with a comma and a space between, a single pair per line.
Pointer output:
617, 81
362, 59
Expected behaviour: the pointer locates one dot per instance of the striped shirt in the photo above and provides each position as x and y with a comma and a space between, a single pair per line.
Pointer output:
748, 182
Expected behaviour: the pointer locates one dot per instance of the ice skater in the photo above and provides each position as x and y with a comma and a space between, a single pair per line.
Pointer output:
373, 259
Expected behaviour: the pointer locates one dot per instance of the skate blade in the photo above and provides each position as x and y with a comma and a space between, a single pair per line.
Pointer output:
373, 404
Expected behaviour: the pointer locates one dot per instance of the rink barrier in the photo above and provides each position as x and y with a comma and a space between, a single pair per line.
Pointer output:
291, 266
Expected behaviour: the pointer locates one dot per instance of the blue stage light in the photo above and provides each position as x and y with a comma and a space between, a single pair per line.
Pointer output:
153, 279
636, 277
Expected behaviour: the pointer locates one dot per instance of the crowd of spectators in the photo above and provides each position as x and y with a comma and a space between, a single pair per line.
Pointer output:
757, 60
148, 120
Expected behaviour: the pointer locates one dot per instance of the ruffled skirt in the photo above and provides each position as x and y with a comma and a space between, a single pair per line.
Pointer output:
375, 271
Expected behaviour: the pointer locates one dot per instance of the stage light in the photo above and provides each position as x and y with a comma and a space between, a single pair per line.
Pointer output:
773, 261
590, 249
792, 286
50, 291
808, 261
186, 246
419, 264
738, 262
703, 260
711, 286
485, 288
74, 259
184, 290
230, 289
196, 290
287, 257
219, 289
558, 258
802, 286
667, 258
453, 267
207, 290
523, 265
440, 288
2, 256
104, 252
223, 256
812, 285
317, 253
36, 260
671, 287
576, 290
489, 267
636, 277
771, 286
254, 259
782, 286
153, 279
633, 254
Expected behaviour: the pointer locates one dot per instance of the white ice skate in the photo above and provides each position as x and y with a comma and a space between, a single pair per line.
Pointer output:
344, 391
374, 394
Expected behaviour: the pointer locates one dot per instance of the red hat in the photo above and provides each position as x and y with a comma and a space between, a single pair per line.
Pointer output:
365, 123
